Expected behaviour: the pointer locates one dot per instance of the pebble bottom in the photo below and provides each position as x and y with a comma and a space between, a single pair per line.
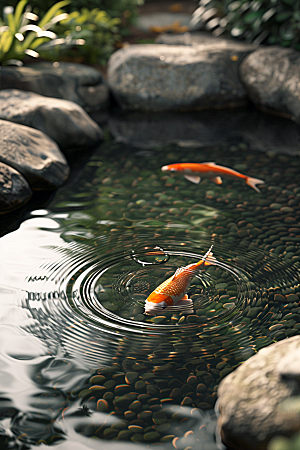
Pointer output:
267, 221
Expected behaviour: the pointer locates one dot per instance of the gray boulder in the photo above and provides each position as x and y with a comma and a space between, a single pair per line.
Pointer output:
75, 82
64, 121
14, 189
204, 38
33, 154
271, 76
251, 399
158, 77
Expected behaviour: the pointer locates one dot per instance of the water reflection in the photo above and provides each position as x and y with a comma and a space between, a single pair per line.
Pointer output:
79, 359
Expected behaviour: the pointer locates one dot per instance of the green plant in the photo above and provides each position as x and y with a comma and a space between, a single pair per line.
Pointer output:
22, 33
96, 28
258, 21
126, 10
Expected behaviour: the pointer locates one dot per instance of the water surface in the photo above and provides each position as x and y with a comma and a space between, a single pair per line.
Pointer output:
81, 365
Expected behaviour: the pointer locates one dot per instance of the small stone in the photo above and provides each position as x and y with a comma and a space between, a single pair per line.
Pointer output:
151, 436
158, 319
201, 388
137, 438
192, 319
135, 406
102, 405
122, 402
131, 377
140, 385
97, 379
145, 415
280, 298
124, 435
187, 401
84, 393
122, 389
159, 417
136, 429
110, 433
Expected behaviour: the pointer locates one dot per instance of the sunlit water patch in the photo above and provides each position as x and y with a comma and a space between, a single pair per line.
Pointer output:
74, 279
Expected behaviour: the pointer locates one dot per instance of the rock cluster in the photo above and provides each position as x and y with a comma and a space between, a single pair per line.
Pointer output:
185, 72
198, 71
42, 114
251, 399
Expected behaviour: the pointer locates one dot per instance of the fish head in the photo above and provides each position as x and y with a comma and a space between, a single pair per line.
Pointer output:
172, 168
157, 301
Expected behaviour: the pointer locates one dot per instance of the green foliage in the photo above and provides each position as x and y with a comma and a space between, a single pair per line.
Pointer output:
258, 21
96, 28
126, 10
22, 33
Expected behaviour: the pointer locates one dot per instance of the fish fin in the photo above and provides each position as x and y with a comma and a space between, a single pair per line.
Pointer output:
252, 182
217, 180
192, 178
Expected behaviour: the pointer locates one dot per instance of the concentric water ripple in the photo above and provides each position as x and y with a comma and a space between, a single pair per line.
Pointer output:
92, 297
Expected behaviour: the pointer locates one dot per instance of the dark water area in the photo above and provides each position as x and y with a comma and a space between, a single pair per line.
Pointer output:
81, 365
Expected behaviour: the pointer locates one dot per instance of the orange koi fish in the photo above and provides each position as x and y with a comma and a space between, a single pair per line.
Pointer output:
173, 291
194, 171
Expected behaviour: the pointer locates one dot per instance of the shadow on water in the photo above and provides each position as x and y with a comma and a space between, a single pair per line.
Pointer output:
82, 366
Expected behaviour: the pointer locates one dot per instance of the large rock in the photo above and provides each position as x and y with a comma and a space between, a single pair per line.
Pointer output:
272, 78
251, 398
33, 154
76, 82
14, 189
204, 38
64, 121
158, 77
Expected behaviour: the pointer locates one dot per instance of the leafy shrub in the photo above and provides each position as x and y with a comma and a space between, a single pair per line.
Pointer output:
22, 33
126, 10
96, 28
258, 21
123, 9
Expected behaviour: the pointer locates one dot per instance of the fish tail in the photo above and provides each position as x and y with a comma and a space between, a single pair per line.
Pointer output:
208, 258
252, 182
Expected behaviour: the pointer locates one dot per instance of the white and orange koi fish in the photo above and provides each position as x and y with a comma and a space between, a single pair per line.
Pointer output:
173, 291
194, 171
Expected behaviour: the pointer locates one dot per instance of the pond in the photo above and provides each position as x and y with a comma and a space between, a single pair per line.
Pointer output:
82, 366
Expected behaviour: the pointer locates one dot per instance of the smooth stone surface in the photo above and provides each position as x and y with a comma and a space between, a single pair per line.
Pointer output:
204, 38
271, 76
64, 121
14, 189
69, 81
33, 154
250, 398
158, 77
